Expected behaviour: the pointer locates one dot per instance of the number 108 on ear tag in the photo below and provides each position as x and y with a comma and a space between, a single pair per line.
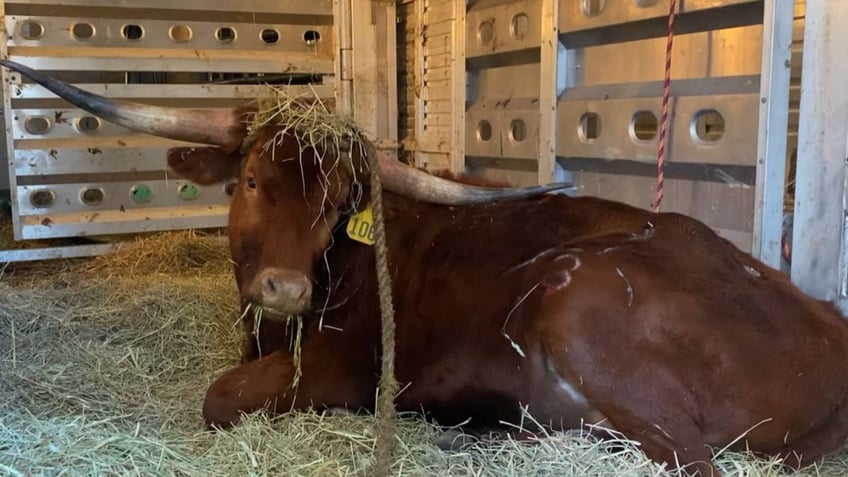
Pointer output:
360, 227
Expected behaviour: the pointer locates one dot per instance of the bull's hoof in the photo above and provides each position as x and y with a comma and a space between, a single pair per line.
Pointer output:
454, 441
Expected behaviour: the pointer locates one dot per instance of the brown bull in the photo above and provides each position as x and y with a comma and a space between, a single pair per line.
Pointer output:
581, 309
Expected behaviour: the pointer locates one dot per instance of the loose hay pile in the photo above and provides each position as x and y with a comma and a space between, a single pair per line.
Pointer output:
104, 364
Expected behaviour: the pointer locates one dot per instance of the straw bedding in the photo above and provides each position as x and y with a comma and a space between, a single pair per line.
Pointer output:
104, 363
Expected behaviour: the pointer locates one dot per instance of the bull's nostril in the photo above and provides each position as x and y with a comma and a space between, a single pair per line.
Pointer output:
270, 285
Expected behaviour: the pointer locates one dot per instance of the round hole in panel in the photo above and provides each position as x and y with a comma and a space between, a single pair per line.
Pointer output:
311, 37
37, 125
644, 125
188, 191
592, 8
132, 32
517, 130
486, 31
82, 31
88, 124
31, 29
42, 198
519, 26
92, 196
180, 33
484, 130
589, 128
270, 36
225, 35
707, 126
646, 3
141, 193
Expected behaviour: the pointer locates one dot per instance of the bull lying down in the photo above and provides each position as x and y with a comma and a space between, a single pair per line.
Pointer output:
582, 309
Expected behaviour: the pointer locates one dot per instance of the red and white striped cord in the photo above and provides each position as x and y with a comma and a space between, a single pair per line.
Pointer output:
672, 4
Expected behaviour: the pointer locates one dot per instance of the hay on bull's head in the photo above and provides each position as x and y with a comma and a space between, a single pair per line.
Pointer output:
313, 122
321, 132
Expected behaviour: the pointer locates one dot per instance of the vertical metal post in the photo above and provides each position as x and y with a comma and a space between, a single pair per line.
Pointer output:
8, 179
551, 85
459, 85
820, 245
772, 135
344, 60
546, 142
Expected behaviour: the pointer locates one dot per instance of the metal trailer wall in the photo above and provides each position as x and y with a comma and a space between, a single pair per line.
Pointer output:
573, 88
820, 236
71, 174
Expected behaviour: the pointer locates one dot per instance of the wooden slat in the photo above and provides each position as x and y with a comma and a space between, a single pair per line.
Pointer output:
432, 75
438, 119
432, 30
442, 107
437, 61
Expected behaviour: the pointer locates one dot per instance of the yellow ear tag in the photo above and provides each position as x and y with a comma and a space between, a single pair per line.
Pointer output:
360, 227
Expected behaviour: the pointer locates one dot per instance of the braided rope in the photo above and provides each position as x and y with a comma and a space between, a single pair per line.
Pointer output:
664, 115
386, 412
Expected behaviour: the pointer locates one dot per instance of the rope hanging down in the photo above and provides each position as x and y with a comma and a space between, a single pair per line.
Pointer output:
386, 412
664, 115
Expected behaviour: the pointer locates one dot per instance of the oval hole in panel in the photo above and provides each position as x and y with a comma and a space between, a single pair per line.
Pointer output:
225, 35
42, 198
484, 130
141, 193
519, 26
92, 196
311, 37
82, 31
707, 126
590, 127
270, 36
37, 125
188, 191
644, 126
230, 187
486, 31
88, 124
517, 130
180, 33
132, 32
31, 29
593, 8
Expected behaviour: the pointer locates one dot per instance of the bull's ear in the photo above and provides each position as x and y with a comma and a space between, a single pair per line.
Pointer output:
204, 165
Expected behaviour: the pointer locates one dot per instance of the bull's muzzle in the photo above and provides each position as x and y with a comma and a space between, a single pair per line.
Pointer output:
284, 291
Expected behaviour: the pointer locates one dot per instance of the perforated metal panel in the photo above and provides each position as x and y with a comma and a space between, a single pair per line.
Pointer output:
73, 175
573, 89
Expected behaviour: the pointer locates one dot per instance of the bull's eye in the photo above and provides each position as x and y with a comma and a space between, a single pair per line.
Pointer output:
251, 183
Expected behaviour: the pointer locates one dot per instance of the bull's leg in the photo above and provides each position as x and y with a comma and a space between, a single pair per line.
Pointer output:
644, 403
813, 446
264, 383
679, 442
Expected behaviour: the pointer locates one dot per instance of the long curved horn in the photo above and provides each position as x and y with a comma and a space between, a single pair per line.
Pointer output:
417, 184
224, 128
219, 127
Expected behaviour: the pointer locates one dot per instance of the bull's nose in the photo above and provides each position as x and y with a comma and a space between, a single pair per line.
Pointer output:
286, 290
